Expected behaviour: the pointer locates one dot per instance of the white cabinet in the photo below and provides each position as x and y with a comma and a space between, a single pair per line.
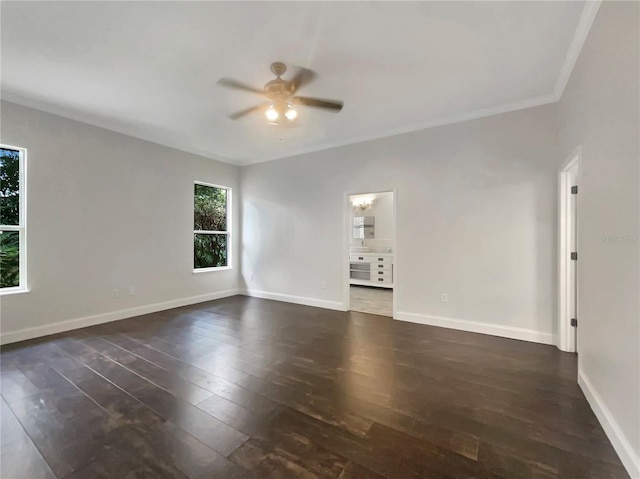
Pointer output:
371, 269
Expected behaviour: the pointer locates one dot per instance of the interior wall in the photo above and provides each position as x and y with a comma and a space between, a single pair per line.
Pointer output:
106, 211
599, 112
476, 220
382, 210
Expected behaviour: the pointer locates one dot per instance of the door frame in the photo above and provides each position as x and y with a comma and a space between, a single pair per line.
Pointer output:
346, 243
566, 334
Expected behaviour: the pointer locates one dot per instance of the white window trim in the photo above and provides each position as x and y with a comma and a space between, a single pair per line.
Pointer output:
228, 232
22, 223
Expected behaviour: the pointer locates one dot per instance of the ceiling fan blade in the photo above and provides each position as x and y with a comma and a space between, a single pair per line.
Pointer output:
302, 78
246, 111
333, 105
236, 85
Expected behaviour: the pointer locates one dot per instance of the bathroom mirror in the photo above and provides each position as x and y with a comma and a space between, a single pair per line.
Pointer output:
364, 227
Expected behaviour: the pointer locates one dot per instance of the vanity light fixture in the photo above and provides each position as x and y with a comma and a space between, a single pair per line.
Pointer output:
363, 204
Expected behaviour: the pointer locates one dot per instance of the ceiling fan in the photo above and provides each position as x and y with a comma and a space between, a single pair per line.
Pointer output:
279, 109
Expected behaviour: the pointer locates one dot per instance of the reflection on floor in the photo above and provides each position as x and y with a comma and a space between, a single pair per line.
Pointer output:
372, 300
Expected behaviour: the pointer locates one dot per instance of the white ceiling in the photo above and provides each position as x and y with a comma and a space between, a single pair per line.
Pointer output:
149, 69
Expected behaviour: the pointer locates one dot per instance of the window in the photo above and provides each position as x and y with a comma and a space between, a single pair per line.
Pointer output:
211, 225
13, 275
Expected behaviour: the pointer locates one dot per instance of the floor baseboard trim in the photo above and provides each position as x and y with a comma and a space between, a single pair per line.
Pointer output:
68, 325
289, 298
620, 443
476, 327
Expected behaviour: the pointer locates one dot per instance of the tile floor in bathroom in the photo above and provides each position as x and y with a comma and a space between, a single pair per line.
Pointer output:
371, 300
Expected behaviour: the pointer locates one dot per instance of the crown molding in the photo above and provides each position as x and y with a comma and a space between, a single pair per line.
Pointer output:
588, 16
11, 96
472, 115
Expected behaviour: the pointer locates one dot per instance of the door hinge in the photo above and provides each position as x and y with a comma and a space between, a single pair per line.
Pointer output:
574, 256
574, 322
574, 190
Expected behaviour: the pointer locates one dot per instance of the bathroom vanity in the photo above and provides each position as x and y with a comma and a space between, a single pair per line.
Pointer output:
371, 269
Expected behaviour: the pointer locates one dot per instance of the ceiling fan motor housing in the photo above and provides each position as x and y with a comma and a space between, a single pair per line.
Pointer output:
278, 89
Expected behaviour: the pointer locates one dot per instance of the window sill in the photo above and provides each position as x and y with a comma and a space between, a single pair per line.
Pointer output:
9, 291
208, 270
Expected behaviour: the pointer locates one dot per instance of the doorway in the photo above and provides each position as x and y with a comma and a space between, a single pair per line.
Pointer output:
568, 254
370, 273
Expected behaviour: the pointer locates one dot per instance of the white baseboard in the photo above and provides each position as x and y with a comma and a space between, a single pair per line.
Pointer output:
463, 325
289, 298
476, 327
620, 443
61, 326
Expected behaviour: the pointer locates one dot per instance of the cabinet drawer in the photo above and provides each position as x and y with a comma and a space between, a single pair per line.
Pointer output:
381, 266
381, 273
382, 259
354, 258
382, 280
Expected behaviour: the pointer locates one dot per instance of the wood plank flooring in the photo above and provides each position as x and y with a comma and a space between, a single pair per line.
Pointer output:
367, 299
244, 387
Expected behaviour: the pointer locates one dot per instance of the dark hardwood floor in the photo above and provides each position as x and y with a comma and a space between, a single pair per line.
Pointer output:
244, 387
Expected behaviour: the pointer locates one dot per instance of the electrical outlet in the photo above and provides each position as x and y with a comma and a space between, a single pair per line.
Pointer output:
114, 293
324, 285
444, 297
132, 290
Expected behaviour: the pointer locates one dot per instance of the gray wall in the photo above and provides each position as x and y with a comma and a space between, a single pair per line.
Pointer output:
599, 111
476, 220
105, 211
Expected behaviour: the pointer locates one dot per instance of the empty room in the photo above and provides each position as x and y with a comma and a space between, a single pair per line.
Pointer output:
320, 239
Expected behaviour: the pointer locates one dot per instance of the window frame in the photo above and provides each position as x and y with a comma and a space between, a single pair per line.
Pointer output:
21, 227
228, 232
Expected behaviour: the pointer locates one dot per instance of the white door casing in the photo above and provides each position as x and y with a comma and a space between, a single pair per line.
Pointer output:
568, 243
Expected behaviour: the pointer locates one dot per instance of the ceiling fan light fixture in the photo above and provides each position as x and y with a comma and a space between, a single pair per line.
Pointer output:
291, 114
272, 114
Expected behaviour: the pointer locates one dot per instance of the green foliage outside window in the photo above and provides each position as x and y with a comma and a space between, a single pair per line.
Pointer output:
210, 214
210, 208
9, 259
9, 187
9, 216
210, 251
